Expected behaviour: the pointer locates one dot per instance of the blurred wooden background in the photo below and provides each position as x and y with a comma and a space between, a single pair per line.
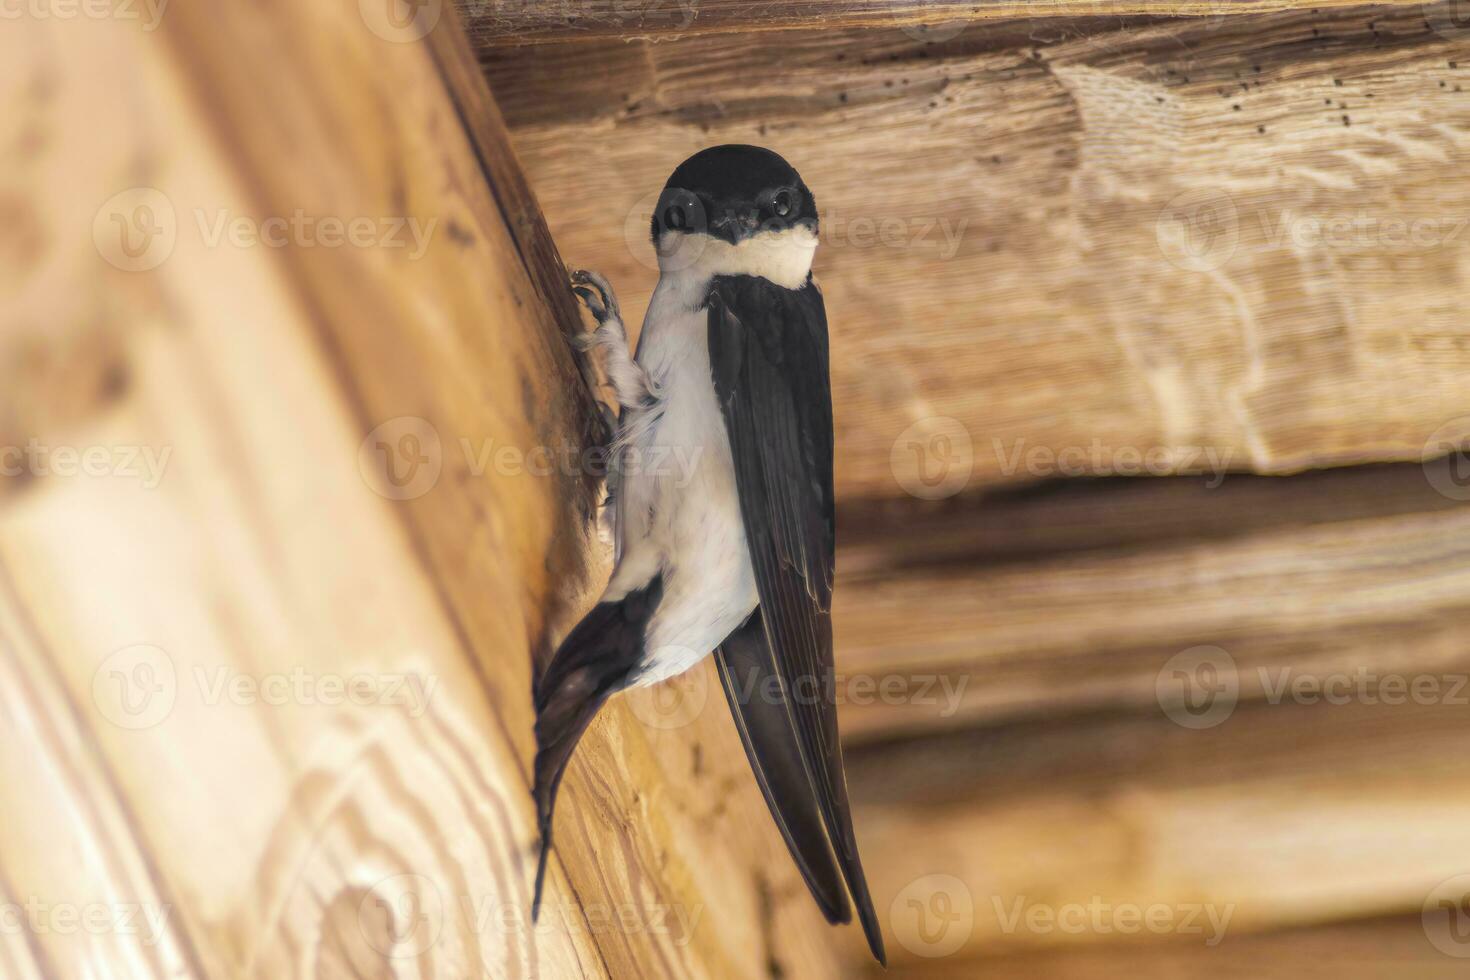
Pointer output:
1149, 337
1142, 330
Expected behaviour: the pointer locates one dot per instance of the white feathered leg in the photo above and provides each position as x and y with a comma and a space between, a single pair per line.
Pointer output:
631, 384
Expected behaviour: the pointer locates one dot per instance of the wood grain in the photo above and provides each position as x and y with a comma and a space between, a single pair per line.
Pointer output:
1281, 816
510, 22
1075, 599
1091, 247
272, 695
1373, 949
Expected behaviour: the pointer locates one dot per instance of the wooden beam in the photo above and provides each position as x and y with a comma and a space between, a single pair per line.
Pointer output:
1076, 598
1282, 816
495, 23
1372, 949
1072, 248
1073, 517
267, 627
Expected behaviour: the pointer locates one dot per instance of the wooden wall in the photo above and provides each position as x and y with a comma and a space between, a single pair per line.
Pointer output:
265, 662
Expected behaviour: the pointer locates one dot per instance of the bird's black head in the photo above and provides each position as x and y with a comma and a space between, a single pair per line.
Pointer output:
735, 192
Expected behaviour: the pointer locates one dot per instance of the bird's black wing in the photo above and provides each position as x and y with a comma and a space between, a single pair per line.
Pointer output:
768, 356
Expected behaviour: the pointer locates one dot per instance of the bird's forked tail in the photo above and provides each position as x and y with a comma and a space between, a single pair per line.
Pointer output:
596, 660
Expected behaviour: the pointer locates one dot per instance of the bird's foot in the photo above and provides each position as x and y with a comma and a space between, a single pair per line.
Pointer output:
597, 295
631, 385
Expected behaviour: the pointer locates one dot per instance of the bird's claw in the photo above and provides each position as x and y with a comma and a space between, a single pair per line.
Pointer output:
591, 301
597, 293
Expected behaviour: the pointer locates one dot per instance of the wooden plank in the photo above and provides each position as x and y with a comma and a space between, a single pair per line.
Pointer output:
1076, 599
1283, 816
1373, 949
1072, 517
495, 23
1129, 248
265, 661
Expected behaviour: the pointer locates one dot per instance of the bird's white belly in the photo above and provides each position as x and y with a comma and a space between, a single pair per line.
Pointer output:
678, 509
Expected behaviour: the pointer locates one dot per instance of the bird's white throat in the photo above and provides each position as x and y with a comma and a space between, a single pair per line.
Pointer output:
784, 257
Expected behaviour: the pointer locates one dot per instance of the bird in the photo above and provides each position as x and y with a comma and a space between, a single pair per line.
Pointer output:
735, 557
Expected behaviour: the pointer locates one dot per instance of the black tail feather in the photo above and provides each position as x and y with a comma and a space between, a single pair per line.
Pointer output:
596, 660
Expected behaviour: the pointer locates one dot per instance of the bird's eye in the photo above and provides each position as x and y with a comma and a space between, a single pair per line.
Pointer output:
674, 217
783, 203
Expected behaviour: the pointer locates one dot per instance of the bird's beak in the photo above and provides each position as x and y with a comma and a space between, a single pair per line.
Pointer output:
734, 225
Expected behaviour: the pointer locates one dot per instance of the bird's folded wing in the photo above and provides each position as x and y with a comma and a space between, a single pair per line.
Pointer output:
768, 355
748, 673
